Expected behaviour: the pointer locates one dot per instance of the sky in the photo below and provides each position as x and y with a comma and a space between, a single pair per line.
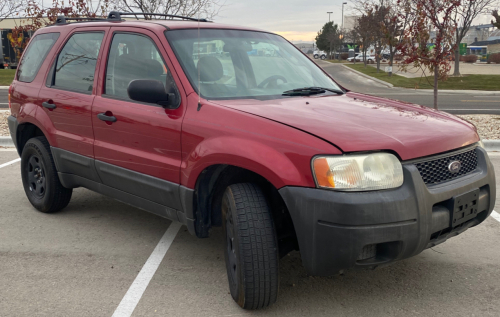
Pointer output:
296, 20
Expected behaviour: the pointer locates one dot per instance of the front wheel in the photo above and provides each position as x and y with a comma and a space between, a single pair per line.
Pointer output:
251, 249
40, 180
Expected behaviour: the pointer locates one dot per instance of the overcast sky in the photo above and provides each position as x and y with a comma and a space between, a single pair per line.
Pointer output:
296, 20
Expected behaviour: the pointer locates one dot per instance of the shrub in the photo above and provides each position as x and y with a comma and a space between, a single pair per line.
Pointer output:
494, 58
344, 56
470, 58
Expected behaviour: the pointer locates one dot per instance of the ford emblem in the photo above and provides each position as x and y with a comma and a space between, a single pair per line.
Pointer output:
455, 167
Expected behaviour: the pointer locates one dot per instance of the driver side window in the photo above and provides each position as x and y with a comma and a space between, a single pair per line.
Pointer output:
131, 57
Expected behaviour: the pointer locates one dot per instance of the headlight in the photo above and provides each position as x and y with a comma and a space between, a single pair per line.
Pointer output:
358, 172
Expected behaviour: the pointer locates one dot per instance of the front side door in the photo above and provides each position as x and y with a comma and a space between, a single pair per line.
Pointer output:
137, 145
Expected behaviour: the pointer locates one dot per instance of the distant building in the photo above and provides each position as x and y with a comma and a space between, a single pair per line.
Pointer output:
478, 33
350, 22
488, 46
306, 48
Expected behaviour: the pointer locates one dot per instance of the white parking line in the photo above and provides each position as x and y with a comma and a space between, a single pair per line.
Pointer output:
495, 216
10, 163
141, 282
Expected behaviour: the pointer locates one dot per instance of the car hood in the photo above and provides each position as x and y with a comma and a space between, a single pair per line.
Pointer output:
355, 122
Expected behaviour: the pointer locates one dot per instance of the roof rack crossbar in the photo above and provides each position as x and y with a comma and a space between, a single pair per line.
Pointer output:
114, 15
63, 20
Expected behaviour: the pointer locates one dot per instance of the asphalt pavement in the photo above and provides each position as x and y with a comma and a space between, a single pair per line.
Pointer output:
84, 261
459, 102
4, 99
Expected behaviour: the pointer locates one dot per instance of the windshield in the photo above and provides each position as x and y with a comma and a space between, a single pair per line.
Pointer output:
233, 64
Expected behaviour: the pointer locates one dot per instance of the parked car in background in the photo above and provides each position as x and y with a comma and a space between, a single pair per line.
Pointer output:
270, 148
320, 54
371, 59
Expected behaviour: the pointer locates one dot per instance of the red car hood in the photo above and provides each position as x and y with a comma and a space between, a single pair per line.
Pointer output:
356, 122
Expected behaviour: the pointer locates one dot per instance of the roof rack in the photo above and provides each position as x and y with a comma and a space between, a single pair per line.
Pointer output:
117, 16
114, 15
63, 20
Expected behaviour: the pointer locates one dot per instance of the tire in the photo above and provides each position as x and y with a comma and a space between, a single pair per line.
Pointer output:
39, 176
323, 57
251, 248
316, 56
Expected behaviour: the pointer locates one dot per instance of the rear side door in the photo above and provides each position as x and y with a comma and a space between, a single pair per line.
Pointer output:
137, 145
67, 98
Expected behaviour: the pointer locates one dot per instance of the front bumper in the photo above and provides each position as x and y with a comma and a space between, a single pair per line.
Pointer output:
341, 230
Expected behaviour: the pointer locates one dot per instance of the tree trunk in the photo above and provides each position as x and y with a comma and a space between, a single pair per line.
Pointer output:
457, 62
457, 53
436, 77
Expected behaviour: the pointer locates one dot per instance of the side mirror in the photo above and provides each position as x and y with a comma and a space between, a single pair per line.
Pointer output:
151, 91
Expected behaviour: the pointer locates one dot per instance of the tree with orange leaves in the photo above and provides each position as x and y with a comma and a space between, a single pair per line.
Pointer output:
420, 49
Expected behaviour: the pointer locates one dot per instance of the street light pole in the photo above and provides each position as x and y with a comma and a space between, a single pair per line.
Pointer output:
329, 15
342, 31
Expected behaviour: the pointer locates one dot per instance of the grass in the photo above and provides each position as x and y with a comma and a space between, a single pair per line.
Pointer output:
467, 82
336, 61
6, 76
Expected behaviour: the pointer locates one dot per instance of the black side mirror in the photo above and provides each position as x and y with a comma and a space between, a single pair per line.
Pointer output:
151, 91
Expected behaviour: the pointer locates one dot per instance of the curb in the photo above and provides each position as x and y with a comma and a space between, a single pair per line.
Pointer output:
492, 145
6, 141
4, 87
389, 85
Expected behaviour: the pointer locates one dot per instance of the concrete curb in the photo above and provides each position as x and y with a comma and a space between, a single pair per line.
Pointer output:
6, 141
492, 145
4, 87
389, 85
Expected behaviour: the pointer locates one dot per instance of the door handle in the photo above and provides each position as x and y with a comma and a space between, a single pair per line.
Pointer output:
104, 117
48, 105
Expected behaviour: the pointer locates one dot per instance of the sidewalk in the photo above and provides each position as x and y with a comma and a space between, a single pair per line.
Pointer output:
465, 69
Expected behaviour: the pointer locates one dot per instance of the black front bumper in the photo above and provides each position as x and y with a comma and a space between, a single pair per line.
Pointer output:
341, 230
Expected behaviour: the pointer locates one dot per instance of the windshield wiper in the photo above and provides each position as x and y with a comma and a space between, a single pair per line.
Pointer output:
308, 91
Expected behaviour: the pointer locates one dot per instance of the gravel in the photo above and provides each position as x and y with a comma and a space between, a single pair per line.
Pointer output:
487, 125
4, 128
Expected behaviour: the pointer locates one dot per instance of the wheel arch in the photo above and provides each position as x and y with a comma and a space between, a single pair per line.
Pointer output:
210, 187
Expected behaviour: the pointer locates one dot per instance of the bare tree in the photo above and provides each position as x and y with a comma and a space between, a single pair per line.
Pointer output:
496, 22
462, 19
364, 33
188, 8
10, 8
392, 25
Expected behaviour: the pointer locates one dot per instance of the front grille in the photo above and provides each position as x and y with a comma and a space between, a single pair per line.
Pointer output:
436, 171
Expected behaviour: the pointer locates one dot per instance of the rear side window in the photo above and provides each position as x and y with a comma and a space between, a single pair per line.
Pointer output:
34, 56
134, 56
75, 66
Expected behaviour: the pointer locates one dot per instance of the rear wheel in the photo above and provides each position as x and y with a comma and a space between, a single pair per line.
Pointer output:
251, 248
40, 180
323, 57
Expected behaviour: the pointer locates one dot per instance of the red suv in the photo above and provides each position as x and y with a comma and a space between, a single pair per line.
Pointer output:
214, 125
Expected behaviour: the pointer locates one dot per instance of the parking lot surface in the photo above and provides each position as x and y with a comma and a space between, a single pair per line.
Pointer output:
82, 261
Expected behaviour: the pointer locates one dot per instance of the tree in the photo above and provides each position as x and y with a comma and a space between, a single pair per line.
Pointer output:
189, 8
9, 8
364, 33
37, 17
462, 18
377, 15
328, 38
496, 22
436, 15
